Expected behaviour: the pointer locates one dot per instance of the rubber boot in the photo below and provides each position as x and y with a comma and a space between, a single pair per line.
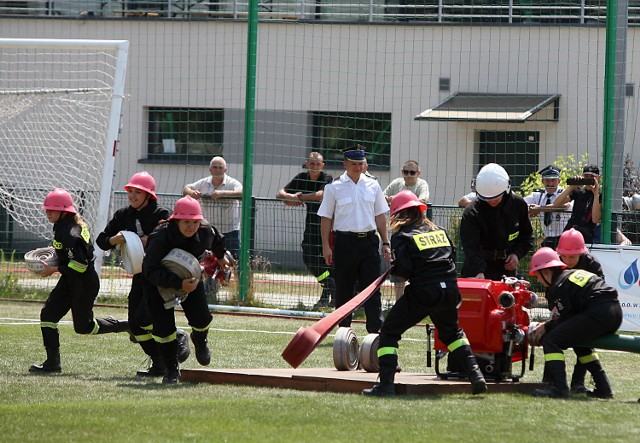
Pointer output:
50, 365
469, 362
558, 375
603, 387
386, 386
169, 352
157, 368
577, 379
184, 350
111, 325
199, 339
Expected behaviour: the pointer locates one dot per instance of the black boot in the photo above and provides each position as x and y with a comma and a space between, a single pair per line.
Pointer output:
331, 288
169, 352
184, 350
465, 355
199, 339
386, 386
577, 379
558, 387
603, 387
157, 368
50, 365
110, 324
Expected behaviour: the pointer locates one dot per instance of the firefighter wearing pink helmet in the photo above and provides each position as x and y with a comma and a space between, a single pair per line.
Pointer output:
78, 285
186, 230
573, 252
141, 216
425, 256
586, 307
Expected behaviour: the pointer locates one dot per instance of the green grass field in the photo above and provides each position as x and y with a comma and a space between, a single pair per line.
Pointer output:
98, 397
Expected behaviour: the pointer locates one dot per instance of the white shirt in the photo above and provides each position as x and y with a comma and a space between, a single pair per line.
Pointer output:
353, 206
225, 212
558, 219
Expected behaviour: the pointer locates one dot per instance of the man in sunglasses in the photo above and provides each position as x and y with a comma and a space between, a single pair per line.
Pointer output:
411, 181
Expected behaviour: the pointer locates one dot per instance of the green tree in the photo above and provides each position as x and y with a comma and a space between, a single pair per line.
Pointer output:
569, 167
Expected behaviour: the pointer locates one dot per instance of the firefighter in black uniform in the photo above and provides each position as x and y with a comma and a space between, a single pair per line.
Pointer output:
573, 252
425, 256
141, 216
587, 309
188, 231
495, 231
78, 285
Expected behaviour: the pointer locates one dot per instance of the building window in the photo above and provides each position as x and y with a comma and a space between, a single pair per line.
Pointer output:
334, 131
184, 135
516, 151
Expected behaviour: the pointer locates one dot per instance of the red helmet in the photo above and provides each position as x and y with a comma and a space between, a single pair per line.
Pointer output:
545, 258
59, 200
571, 242
187, 208
143, 181
404, 200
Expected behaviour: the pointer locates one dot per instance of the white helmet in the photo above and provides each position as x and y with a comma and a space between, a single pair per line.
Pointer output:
635, 199
492, 181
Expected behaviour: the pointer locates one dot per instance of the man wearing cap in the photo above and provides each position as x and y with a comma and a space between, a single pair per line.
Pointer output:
354, 207
552, 222
587, 210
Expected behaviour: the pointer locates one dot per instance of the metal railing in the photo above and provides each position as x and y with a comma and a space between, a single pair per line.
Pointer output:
373, 11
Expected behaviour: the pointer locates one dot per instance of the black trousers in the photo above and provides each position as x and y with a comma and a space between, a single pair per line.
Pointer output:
164, 322
314, 261
598, 320
437, 300
75, 293
357, 259
139, 314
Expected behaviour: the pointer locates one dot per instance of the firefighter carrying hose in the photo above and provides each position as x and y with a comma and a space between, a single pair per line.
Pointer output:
425, 256
587, 309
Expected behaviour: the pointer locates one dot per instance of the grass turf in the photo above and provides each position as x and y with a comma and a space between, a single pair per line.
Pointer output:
99, 398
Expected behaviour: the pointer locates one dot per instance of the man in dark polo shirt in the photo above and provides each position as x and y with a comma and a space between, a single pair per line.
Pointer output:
307, 188
354, 207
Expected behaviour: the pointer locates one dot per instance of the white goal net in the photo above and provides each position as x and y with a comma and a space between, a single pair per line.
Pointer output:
60, 105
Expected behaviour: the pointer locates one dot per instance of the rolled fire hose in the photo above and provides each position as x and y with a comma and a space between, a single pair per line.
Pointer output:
184, 265
132, 253
33, 259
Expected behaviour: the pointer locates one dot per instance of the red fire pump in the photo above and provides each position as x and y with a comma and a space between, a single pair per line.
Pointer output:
494, 316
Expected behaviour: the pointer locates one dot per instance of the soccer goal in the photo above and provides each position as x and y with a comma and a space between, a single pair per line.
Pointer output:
60, 111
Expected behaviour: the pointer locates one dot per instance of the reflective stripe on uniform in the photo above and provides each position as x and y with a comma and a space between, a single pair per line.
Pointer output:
206, 328
77, 266
168, 339
96, 327
387, 351
47, 324
588, 358
322, 276
144, 337
554, 356
514, 235
456, 344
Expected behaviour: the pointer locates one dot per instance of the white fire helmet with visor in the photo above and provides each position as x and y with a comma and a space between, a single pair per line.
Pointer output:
492, 182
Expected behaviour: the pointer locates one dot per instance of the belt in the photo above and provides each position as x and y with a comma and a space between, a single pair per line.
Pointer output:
495, 254
356, 234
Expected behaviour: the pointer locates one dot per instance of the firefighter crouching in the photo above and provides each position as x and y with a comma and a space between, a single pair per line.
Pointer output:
587, 308
425, 256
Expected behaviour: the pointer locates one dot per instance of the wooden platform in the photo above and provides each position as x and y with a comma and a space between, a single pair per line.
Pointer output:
332, 380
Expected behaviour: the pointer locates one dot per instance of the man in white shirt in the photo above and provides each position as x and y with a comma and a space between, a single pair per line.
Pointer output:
225, 193
354, 207
552, 222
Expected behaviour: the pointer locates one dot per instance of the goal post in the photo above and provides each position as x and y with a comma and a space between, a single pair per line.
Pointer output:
60, 112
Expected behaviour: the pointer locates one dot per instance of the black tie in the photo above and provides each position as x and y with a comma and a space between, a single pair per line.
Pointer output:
547, 215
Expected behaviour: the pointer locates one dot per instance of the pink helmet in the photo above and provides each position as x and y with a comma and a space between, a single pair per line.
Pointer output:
59, 200
143, 181
571, 242
545, 258
404, 200
187, 208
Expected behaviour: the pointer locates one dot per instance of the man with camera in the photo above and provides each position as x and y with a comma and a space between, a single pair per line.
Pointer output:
584, 192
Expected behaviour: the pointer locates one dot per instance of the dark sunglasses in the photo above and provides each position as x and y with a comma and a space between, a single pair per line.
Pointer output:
405, 172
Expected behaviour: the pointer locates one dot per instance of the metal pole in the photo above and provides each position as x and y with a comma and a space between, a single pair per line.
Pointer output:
247, 170
613, 127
